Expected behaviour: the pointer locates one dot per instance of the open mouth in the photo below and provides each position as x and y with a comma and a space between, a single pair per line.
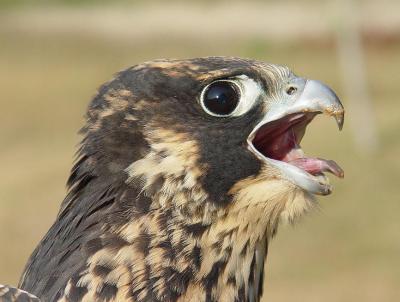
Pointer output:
278, 141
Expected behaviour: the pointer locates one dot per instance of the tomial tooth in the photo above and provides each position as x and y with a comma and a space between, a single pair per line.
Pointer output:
339, 117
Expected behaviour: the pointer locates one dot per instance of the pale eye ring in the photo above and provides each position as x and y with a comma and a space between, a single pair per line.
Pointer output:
221, 98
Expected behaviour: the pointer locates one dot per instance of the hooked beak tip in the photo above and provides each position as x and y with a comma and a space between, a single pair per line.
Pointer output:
322, 98
339, 117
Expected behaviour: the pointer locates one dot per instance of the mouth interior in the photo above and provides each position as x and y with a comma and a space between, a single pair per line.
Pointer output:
280, 140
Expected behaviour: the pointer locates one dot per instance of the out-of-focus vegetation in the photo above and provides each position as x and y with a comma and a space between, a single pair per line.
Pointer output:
346, 251
75, 3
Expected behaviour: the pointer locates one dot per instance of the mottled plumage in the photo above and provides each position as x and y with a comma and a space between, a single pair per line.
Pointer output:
9, 293
167, 202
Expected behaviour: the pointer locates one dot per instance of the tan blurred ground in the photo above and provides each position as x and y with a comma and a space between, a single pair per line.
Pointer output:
53, 59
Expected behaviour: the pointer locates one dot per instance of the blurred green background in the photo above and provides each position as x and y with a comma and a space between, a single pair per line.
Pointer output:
54, 54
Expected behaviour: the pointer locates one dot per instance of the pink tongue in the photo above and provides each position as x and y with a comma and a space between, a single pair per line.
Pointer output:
318, 165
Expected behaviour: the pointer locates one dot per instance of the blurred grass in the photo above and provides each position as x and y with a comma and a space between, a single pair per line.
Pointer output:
45, 3
347, 251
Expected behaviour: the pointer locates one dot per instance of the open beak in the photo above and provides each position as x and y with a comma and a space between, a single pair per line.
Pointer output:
276, 139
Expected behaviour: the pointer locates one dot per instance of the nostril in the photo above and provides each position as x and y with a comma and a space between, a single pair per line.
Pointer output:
291, 90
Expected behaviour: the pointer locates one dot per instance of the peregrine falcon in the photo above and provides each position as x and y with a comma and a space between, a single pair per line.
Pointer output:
184, 172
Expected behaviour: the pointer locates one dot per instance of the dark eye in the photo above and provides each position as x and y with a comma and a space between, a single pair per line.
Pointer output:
221, 98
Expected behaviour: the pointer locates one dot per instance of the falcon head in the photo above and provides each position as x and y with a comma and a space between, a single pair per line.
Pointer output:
185, 170
213, 129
